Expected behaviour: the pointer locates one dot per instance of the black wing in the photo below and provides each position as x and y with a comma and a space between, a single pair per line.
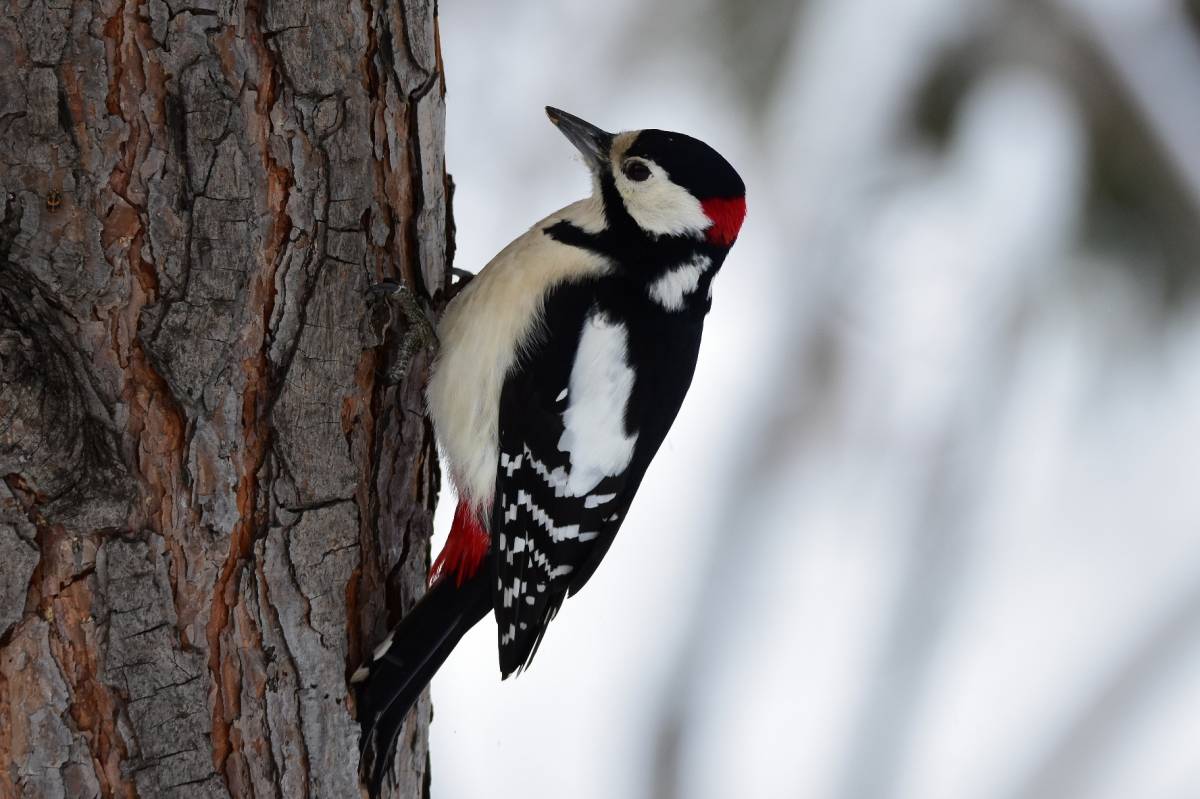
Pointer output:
553, 518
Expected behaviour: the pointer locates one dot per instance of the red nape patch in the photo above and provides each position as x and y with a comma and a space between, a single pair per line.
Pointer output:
726, 214
464, 550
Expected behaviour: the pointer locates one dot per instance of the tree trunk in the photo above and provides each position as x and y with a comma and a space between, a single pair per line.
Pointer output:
210, 500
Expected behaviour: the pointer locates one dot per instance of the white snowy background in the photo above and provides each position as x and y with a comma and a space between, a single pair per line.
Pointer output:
929, 523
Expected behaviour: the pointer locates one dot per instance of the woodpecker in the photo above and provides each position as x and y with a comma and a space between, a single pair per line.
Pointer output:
560, 368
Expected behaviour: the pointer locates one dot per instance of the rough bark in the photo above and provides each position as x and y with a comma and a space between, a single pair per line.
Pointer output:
210, 501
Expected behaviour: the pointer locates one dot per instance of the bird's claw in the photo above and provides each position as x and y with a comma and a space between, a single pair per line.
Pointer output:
386, 288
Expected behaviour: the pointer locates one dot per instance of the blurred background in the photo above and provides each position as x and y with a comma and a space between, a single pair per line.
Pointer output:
929, 523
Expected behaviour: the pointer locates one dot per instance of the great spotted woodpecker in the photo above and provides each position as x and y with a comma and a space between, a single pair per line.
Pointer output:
561, 367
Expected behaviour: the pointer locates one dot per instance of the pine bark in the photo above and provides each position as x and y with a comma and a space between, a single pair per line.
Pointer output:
211, 502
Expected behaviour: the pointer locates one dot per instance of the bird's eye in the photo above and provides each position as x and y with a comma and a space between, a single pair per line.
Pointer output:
636, 171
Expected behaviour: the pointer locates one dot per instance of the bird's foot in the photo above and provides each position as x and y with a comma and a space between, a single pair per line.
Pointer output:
464, 277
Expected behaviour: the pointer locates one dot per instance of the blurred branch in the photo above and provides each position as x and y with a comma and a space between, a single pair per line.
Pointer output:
1155, 56
799, 397
1089, 739
1142, 204
936, 551
1136, 68
749, 42
1118, 81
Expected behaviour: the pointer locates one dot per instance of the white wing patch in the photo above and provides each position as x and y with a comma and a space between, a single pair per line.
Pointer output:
594, 423
670, 290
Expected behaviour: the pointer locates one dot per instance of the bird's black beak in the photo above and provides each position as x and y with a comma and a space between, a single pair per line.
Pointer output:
595, 144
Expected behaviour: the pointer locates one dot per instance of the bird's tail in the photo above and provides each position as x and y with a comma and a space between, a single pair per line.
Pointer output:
406, 661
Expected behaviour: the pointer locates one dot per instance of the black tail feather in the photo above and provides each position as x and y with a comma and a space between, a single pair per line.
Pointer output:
419, 646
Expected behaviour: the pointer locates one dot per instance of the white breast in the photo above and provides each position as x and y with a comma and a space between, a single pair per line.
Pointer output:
481, 331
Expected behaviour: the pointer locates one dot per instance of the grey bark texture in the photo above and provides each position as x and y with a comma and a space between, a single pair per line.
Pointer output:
211, 503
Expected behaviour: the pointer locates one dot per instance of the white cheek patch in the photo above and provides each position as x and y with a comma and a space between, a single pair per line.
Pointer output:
660, 206
671, 289
594, 423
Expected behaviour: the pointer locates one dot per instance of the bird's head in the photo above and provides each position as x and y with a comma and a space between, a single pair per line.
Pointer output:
667, 184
